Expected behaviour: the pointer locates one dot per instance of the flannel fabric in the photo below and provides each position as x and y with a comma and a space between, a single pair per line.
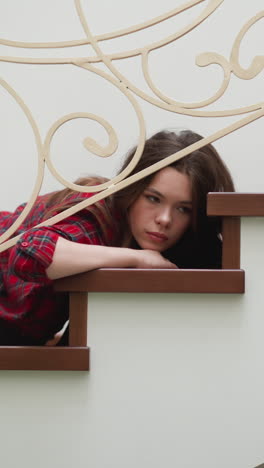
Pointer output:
30, 310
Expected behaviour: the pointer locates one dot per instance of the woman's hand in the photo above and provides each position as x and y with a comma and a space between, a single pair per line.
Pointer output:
151, 259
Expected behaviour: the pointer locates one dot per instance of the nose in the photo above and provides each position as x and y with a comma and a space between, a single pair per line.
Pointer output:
164, 217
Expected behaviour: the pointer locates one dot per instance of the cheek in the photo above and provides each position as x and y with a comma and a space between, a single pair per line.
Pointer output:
181, 227
136, 213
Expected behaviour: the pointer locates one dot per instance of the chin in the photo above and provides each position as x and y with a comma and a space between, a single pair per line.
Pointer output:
150, 246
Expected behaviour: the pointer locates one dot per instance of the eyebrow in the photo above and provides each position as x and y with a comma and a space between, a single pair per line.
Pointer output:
186, 202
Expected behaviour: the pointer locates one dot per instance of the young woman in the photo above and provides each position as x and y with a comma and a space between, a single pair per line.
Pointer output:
157, 222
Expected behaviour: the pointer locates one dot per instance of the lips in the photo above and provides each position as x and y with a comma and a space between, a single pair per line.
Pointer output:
157, 236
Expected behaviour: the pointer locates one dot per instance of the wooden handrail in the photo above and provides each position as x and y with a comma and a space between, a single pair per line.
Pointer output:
235, 204
154, 281
44, 358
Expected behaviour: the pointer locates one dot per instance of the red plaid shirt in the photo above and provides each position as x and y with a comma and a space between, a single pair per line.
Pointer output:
30, 311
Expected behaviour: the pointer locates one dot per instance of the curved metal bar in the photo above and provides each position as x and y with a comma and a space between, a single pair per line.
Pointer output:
40, 173
103, 37
257, 64
202, 60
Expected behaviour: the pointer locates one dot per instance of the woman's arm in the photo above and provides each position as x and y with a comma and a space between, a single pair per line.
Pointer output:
71, 258
73, 246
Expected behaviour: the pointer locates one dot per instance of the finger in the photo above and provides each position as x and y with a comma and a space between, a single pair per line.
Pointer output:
173, 266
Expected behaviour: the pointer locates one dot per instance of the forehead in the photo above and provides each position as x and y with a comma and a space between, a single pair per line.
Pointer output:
172, 183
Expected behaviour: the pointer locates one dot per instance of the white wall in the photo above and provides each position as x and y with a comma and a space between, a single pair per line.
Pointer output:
176, 380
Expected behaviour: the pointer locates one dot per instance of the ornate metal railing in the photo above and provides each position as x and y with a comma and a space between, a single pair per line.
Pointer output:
230, 66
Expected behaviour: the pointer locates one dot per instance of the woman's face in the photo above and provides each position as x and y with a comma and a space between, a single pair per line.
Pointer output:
162, 213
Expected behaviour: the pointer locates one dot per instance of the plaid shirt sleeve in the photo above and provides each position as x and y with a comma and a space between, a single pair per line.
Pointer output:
33, 252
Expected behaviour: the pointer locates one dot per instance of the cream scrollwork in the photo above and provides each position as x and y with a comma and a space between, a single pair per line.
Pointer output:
95, 148
257, 64
202, 60
89, 143
131, 92
164, 102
